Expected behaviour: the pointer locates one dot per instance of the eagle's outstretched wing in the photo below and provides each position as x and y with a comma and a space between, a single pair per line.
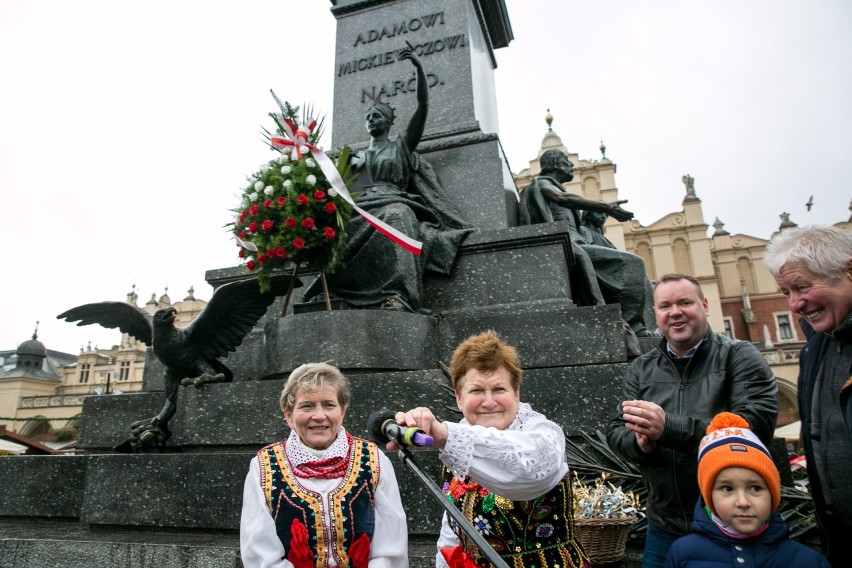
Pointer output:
232, 312
126, 317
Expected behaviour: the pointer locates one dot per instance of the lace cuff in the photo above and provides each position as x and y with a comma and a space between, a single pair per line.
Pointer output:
458, 451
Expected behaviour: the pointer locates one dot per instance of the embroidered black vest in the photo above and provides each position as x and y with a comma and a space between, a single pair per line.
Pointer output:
538, 532
351, 501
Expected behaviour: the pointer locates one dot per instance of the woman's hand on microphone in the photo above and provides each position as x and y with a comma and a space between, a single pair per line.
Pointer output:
421, 417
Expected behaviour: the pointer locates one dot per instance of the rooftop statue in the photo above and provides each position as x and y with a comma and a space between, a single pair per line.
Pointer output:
400, 188
190, 355
607, 275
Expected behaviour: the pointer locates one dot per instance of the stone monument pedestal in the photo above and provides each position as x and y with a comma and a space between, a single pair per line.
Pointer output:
182, 507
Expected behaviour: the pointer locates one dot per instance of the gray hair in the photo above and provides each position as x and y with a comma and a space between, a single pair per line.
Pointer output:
824, 250
313, 376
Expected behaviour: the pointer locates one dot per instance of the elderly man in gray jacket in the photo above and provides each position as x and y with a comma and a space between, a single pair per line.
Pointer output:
670, 395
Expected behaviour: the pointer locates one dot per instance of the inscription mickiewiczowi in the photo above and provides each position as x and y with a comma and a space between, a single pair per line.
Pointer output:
421, 24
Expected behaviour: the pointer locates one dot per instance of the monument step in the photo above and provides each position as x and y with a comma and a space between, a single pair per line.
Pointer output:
70, 544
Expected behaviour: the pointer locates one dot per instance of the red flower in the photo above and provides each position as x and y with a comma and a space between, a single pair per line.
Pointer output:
329, 233
299, 555
242, 235
330, 207
267, 203
359, 552
290, 223
281, 252
242, 253
299, 243
266, 225
243, 214
307, 223
261, 258
457, 557
250, 265
319, 195
270, 253
253, 210
281, 201
303, 199
252, 227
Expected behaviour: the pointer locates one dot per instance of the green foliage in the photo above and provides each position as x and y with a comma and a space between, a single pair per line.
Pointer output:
65, 433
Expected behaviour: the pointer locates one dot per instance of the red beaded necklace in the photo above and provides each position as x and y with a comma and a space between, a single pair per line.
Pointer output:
328, 468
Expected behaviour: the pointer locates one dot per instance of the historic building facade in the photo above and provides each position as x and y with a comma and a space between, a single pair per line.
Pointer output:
42, 391
744, 300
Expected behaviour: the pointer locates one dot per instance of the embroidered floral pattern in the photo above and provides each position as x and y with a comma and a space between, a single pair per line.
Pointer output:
482, 525
524, 532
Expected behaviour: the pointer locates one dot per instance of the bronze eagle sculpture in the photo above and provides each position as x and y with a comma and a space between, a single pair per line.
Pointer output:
190, 355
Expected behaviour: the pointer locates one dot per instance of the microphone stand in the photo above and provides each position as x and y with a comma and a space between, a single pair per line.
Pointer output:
463, 523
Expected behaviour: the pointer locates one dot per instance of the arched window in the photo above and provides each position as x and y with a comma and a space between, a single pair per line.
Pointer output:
644, 251
35, 428
746, 271
682, 262
591, 189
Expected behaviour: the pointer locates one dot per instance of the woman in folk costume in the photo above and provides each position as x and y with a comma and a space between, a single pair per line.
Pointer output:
504, 466
322, 497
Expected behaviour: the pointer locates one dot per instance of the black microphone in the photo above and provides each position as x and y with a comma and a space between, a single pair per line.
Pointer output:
382, 428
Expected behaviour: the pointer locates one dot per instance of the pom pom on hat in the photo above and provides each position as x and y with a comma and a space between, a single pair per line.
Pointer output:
726, 420
731, 443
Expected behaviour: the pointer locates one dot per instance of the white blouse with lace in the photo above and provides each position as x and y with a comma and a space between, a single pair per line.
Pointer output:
522, 462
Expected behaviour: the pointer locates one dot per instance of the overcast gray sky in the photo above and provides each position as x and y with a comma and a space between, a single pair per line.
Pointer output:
126, 128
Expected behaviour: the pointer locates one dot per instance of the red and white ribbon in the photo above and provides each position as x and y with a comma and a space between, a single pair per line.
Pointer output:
333, 177
299, 143
299, 136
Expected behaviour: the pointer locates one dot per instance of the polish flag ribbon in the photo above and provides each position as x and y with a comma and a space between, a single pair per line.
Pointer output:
299, 145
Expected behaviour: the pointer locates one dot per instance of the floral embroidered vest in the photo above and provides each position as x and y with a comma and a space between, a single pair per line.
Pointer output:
353, 516
538, 532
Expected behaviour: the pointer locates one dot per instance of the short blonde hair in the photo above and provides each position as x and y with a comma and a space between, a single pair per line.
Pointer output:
485, 352
313, 376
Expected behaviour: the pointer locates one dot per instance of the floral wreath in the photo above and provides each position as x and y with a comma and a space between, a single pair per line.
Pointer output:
289, 212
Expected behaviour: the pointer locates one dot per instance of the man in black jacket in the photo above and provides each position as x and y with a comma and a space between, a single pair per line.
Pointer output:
813, 269
670, 396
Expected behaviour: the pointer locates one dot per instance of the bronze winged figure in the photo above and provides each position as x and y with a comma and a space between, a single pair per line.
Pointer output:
190, 355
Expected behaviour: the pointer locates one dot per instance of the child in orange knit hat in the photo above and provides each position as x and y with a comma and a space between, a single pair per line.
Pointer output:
736, 522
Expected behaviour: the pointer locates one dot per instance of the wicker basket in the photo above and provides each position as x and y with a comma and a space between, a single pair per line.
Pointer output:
603, 540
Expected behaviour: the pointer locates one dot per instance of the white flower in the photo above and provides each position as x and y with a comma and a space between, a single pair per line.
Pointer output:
305, 151
287, 184
259, 185
310, 163
253, 196
482, 525
264, 167
332, 192
286, 170
311, 179
284, 158
269, 190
